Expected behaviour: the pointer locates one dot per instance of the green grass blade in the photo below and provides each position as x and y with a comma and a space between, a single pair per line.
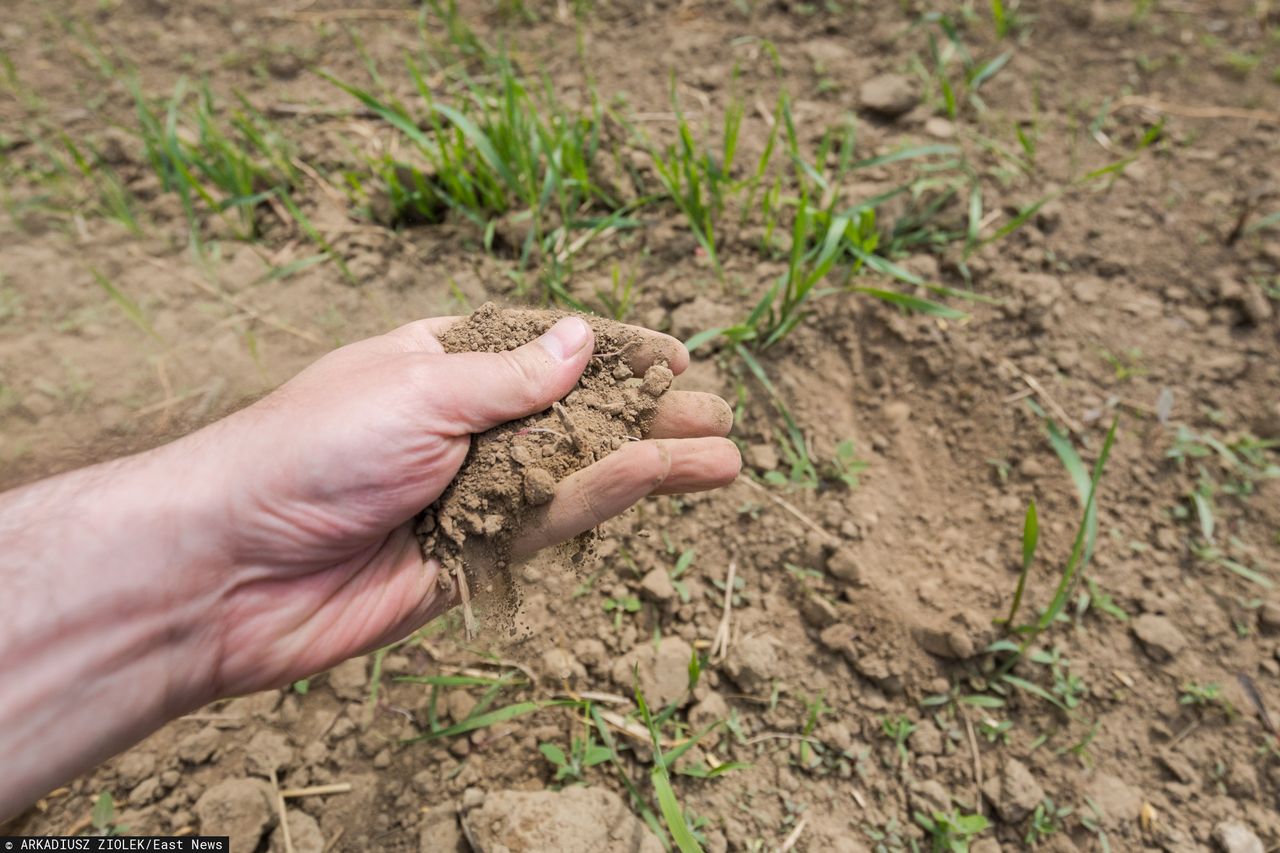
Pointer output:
672, 814
912, 303
501, 715
130, 308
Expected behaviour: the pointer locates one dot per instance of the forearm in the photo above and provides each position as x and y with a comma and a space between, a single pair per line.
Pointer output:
101, 635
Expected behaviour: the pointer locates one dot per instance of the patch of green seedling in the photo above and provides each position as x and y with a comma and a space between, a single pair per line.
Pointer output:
951, 832
584, 753
898, 729
480, 715
620, 606
1205, 698
103, 816
1047, 820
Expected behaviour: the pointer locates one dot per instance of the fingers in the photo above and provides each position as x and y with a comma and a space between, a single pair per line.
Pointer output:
690, 414
474, 391
421, 336
609, 487
655, 346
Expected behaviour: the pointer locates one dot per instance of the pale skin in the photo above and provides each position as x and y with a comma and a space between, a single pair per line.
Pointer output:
278, 542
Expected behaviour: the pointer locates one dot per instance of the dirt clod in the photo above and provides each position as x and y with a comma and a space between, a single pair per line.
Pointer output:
1159, 638
575, 820
1234, 837
512, 469
237, 808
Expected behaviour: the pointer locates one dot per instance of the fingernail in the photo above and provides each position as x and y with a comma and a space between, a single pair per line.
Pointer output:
566, 338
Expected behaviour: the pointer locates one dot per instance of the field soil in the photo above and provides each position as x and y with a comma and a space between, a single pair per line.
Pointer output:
841, 667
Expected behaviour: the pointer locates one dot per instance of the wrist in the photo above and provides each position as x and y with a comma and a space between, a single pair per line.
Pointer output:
106, 573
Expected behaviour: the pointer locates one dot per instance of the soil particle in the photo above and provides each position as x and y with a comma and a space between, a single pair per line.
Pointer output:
134, 767
574, 820
348, 679
927, 740
268, 751
145, 791
929, 797
1015, 792
304, 834
198, 747
560, 666
1159, 637
262, 705
753, 664
844, 565
512, 470
985, 845
1269, 618
657, 585
663, 672
818, 611
238, 808
1179, 767
440, 832
890, 95
1233, 837
1119, 802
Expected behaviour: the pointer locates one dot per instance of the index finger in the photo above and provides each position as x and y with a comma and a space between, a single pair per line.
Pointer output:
652, 347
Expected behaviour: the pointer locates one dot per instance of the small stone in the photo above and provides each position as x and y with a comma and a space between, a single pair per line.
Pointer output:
662, 672
890, 95
440, 832
472, 798
897, 413
1159, 637
657, 585
591, 652
985, 845
1017, 791
238, 808
199, 747
1269, 618
133, 767
559, 666
539, 486
939, 128
844, 566
929, 797
458, 705
304, 834
1234, 837
753, 664
348, 679
927, 739
145, 791
1119, 802
818, 611
657, 379
1179, 767
268, 751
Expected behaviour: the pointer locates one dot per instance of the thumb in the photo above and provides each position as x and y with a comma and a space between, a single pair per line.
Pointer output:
479, 390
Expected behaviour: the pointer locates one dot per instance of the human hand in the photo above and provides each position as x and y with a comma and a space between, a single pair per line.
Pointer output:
323, 477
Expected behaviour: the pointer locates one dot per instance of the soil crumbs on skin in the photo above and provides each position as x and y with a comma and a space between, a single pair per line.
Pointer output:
511, 471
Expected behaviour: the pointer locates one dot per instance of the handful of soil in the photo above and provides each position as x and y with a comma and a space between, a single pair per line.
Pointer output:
512, 470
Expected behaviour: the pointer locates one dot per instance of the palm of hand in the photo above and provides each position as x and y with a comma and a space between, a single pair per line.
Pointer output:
327, 473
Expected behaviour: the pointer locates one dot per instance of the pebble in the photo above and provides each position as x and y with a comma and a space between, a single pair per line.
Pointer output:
304, 834
657, 585
1119, 802
238, 808
539, 486
1015, 792
1234, 837
349, 678
133, 767
657, 379
890, 95
1269, 618
753, 663
268, 751
1160, 639
199, 747
844, 566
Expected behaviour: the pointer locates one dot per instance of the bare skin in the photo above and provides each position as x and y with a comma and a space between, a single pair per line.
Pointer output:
277, 542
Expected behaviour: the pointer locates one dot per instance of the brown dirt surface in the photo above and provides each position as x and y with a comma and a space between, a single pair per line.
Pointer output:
1100, 204
511, 471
